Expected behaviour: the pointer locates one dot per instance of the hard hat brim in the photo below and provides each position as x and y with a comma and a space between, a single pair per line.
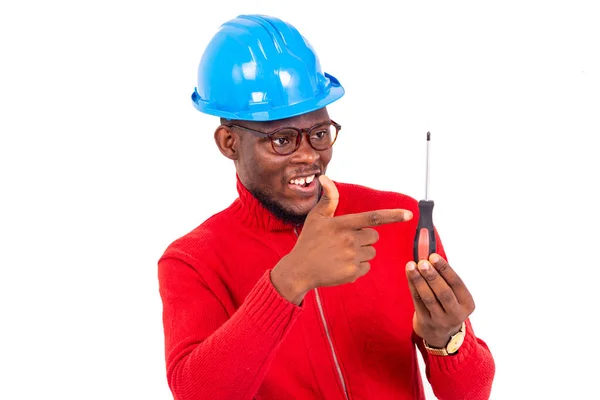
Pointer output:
264, 112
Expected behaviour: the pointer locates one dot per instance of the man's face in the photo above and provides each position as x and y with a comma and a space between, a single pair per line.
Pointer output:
280, 182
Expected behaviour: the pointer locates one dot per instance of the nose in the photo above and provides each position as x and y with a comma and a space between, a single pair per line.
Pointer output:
305, 153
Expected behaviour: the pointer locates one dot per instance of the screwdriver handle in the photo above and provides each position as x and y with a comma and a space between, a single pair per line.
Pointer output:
425, 242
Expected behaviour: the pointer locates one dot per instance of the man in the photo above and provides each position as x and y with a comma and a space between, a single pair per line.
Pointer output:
282, 295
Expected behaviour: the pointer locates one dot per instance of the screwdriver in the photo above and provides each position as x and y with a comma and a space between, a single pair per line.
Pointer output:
425, 242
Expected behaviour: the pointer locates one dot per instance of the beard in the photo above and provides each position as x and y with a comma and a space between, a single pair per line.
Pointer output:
278, 211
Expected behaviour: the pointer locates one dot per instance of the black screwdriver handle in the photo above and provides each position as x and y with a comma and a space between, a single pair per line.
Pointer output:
425, 243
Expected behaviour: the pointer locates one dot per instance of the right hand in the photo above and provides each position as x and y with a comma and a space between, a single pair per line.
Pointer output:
331, 250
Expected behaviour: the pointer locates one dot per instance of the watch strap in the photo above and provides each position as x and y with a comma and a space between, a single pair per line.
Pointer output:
444, 350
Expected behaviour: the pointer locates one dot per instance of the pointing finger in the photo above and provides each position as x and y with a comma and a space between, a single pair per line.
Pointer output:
374, 218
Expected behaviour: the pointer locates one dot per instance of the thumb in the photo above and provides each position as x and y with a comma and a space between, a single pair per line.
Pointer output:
329, 199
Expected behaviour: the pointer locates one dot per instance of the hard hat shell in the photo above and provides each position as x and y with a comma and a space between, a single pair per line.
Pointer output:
260, 68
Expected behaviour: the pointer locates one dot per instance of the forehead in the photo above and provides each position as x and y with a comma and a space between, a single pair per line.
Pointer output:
300, 121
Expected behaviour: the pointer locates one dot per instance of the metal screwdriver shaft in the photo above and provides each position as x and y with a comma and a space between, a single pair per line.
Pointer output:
427, 167
425, 242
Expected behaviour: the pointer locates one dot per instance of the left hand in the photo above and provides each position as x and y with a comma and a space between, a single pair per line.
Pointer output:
442, 301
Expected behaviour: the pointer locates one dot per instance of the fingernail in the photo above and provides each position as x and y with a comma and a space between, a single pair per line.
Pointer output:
411, 266
424, 265
408, 215
435, 258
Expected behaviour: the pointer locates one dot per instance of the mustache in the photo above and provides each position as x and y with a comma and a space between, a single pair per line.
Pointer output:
306, 171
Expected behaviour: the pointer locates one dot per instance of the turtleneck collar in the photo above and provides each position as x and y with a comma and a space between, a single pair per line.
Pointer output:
253, 214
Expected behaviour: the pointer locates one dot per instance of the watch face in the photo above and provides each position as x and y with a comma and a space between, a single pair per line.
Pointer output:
455, 343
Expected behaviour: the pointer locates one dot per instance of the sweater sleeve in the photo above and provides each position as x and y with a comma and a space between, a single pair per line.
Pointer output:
467, 375
209, 354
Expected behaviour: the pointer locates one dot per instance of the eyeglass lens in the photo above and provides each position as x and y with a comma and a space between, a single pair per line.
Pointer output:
320, 137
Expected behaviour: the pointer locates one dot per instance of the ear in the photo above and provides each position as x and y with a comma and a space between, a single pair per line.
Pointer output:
227, 141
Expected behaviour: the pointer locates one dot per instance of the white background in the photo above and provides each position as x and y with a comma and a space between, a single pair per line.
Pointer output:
104, 162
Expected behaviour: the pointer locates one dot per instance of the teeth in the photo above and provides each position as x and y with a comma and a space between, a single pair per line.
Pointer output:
302, 181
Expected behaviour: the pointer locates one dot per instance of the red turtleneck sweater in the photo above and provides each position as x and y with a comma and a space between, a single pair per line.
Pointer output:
230, 335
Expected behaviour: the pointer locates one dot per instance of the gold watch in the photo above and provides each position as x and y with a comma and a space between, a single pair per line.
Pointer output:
451, 347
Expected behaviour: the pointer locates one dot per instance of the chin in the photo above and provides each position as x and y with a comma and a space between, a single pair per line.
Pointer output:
304, 207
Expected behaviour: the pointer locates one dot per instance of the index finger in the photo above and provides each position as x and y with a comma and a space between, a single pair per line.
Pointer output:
374, 218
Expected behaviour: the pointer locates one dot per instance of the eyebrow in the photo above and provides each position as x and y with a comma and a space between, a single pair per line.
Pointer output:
323, 122
270, 126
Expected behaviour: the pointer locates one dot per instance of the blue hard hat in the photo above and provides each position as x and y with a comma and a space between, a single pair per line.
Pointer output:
260, 68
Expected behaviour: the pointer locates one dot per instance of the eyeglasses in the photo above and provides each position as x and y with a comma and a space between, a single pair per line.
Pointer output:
287, 140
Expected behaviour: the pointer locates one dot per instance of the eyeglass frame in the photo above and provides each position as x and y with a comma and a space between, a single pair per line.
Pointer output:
301, 133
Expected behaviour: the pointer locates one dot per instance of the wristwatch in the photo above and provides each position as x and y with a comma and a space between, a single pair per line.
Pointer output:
451, 347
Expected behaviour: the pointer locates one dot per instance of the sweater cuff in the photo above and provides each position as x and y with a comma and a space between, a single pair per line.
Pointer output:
268, 309
450, 364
